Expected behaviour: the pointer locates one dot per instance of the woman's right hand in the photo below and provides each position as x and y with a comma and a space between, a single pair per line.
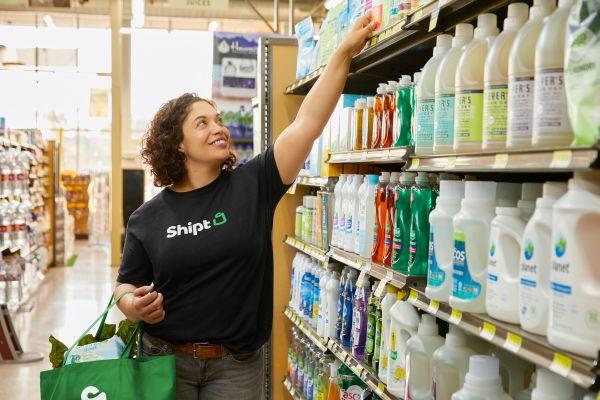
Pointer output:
147, 304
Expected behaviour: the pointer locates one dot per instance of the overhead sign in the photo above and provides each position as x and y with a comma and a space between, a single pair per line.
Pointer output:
201, 4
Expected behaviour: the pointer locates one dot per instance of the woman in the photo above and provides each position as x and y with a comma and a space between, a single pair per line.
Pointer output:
198, 257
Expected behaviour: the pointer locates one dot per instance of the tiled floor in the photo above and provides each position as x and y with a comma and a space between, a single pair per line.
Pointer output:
66, 303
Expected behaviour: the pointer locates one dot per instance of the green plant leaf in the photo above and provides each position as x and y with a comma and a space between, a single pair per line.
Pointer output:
87, 339
125, 330
108, 331
57, 353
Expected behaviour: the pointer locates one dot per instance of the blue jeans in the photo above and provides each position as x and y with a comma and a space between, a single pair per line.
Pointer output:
234, 376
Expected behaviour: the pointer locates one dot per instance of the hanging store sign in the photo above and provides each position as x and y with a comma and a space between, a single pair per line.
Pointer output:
201, 4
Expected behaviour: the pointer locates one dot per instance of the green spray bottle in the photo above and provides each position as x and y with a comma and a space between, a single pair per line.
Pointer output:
378, 327
400, 251
423, 198
371, 326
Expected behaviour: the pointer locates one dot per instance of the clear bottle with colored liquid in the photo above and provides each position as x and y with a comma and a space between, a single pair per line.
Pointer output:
378, 117
468, 101
380, 218
495, 92
389, 109
404, 112
360, 111
348, 312
374, 363
371, 326
390, 218
360, 318
367, 138
401, 243
422, 202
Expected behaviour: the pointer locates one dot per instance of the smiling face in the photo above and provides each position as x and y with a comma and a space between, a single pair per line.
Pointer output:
205, 138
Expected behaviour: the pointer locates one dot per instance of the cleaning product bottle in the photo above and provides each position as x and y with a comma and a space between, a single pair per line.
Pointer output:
339, 321
347, 195
378, 328
502, 294
536, 255
495, 92
334, 390
575, 298
352, 212
332, 289
367, 138
371, 326
322, 308
400, 253
348, 312
387, 302
425, 95
378, 117
389, 109
521, 71
550, 386
450, 364
380, 218
471, 239
316, 296
390, 218
551, 125
419, 359
377, 14
415, 115
360, 319
404, 324
441, 240
468, 108
422, 202
482, 381
530, 192
360, 107
508, 194
337, 209
351, 387
443, 125
366, 217
514, 371
404, 112
358, 207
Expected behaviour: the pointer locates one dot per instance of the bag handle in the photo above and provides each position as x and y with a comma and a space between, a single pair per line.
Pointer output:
101, 326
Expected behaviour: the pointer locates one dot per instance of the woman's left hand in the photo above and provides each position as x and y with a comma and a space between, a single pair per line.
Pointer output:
357, 36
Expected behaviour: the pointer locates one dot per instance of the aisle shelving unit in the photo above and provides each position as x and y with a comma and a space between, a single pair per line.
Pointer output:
362, 370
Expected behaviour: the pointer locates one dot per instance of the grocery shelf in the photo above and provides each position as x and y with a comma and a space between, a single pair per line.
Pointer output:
544, 160
363, 371
530, 347
309, 249
315, 181
393, 155
375, 270
292, 390
307, 330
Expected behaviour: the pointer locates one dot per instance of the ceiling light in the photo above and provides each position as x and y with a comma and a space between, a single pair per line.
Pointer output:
137, 13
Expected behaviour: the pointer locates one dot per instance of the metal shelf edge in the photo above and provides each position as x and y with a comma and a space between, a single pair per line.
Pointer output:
309, 249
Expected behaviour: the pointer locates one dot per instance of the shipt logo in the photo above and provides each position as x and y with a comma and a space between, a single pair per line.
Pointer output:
493, 249
194, 228
528, 252
560, 247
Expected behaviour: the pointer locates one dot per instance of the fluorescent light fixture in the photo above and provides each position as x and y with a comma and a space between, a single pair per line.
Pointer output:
213, 26
137, 13
49, 21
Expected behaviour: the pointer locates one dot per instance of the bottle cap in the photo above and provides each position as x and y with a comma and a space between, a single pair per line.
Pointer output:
541, 8
480, 190
452, 189
395, 177
360, 103
385, 177
427, 326
483, 371
442, 44
554, 190
422, 177
531, 191
517, 15
486, 26
552, 386
373, 179
508, 193
405, 80
463, 34
370, 101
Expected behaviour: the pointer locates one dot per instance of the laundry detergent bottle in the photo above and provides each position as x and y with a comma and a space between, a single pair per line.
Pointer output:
450, 364
471, 239
443, 125
550, 386
575, 275
419, 359
482, 382
521, 74
536, 258
502, 294
425, 95
441, 240
495, 92
422, 202
387, 302
401, 244
468, 103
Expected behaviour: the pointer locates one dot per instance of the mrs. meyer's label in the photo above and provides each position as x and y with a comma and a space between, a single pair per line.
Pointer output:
550, 104
495, 103
520, 106
468, 113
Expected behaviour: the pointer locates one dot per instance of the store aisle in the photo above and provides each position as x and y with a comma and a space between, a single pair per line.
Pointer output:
68, 301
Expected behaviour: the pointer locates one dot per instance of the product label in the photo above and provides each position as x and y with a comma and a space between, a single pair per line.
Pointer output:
550, 106
371, 328
520, 106
463, 285
468, 116
354, 392
531, 307
393, 350
349, 224
435, 275
425, 113
494, 112
443, 125
356, 326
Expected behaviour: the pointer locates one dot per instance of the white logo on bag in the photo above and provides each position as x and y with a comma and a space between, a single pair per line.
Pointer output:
92, 390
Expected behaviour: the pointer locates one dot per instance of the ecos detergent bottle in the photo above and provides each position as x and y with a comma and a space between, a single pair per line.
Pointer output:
471, 238
575, 275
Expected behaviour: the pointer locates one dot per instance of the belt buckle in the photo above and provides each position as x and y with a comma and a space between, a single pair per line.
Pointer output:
201, 348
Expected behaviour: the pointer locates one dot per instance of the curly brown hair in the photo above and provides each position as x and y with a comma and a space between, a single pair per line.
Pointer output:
160, 145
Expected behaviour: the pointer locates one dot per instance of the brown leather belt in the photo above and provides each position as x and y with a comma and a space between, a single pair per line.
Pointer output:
199, 350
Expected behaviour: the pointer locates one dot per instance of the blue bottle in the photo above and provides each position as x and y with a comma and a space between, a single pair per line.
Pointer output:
340, 308
348, 309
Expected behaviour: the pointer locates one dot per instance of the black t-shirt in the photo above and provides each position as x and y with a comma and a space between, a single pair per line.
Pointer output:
209, 252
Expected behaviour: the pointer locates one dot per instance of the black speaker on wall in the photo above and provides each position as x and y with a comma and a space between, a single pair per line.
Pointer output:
133, 192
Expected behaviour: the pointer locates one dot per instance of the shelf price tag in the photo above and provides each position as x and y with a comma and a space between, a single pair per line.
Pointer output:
501, 160
451, 162
414, 163
381, 287
488, 331
413, 296
380, 389
455, 317
433, 307
366, 266
513, 342
561, 364
561, 159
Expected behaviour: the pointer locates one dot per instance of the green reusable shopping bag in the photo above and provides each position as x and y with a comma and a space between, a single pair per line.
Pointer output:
140, 378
